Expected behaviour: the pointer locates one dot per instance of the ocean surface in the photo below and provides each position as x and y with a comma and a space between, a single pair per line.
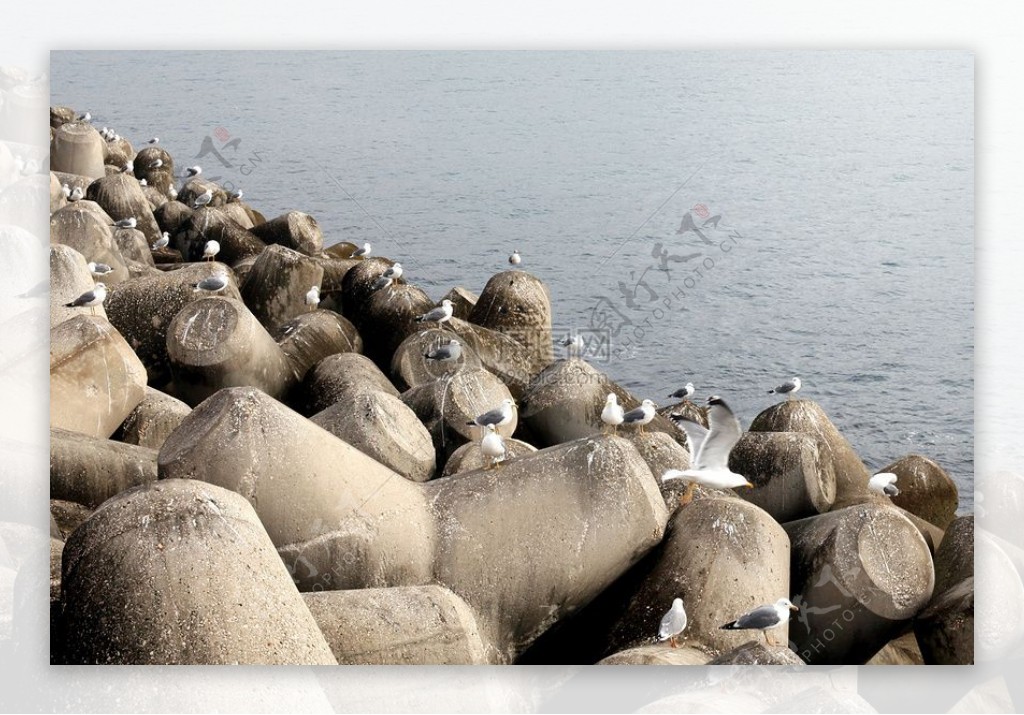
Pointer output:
842, 183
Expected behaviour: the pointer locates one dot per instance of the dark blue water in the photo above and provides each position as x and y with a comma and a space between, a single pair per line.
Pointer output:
843, 181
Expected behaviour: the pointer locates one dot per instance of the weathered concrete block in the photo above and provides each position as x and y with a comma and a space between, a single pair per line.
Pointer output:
411, 625
945, 630
338, 377
295, 230
77, 148
142, 310
564, 402
657, 655
86, 228
215, 343
518, 304
182, 572
121, 197
88, 471
68, 516
275, 287
95, 378
469, 458
410, 367
805, 416
389, 318
756, 653
383, 427
954, 559
153, 419
160, 178
925, 489
210, 223
723, 557
899, 651
172, 216
197, 186
311, 337
69, 278
861, 573
792, 477
463, 302
132, 244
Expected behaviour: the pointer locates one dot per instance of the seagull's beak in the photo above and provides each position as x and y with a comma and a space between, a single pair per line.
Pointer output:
793, 608
750, 485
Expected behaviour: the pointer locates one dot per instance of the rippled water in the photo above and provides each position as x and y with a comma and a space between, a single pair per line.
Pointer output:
844, 183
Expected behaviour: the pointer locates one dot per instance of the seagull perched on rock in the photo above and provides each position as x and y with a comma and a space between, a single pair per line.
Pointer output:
641, 416
85, 117
156, 163
236, 194
154, 140
709, 450
203, 199
573, 344
213, 283
193, 171
445, 353
381, 283
439, 315
210, 250
884, 483
129, 166
685, 392
763, 618
143, 182
126, 223
76, 194
498, 417
492, 446
394, 271
99, 269
313, 297
65, 190
789, 387
612, 414
90, 299
515, 259
362, 252
673, 623
162, 242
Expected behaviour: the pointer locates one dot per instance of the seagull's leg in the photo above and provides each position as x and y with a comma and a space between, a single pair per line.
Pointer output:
672, 642
768, 639
687, 496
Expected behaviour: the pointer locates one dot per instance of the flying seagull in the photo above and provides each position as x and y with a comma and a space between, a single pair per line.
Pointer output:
673, 623
763, 618
709, 450
789, 387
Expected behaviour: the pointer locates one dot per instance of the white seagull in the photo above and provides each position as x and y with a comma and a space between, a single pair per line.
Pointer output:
439, 315
236, 194
126, 223
515, 259
362, 252
165, 238
573, 344
445, 353
642, 415
128, 167
76, 194
709, 450
499, 416
789, 387
884, 483
673, 623
612, 413
210, 250
313, 298
213, 283
193, 171
394, 271
203, 199
66, 190
90, 299
154, 140
763, 618
156, 163
493, 447
99, 269
685, 392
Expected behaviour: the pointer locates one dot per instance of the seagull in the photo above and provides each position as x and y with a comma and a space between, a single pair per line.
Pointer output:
143, 182
172, 192
642, 415
573, 344
90, 299
163, 241
126, 223
445, 353
210, 250
128, 167
612, 414
394, 271
154, 140
156, 164
673, 623
710, 450
498, 417
884, 483
313, 297
66, 190
789, 387
515, 259
85, 117
193, 171
214, 283
439, 315
76, 194
493, 447
203, 199
382, 282
99, 269
763, 618
362, 252
685, 392
236, 194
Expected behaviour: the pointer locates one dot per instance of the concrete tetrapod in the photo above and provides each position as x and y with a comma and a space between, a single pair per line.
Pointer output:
925, 489
861, 573
341, 520
518, 304
182, 572
275, 287
88, 471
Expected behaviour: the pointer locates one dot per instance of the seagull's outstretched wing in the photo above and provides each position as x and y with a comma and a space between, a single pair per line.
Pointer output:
696, 433
725, 432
